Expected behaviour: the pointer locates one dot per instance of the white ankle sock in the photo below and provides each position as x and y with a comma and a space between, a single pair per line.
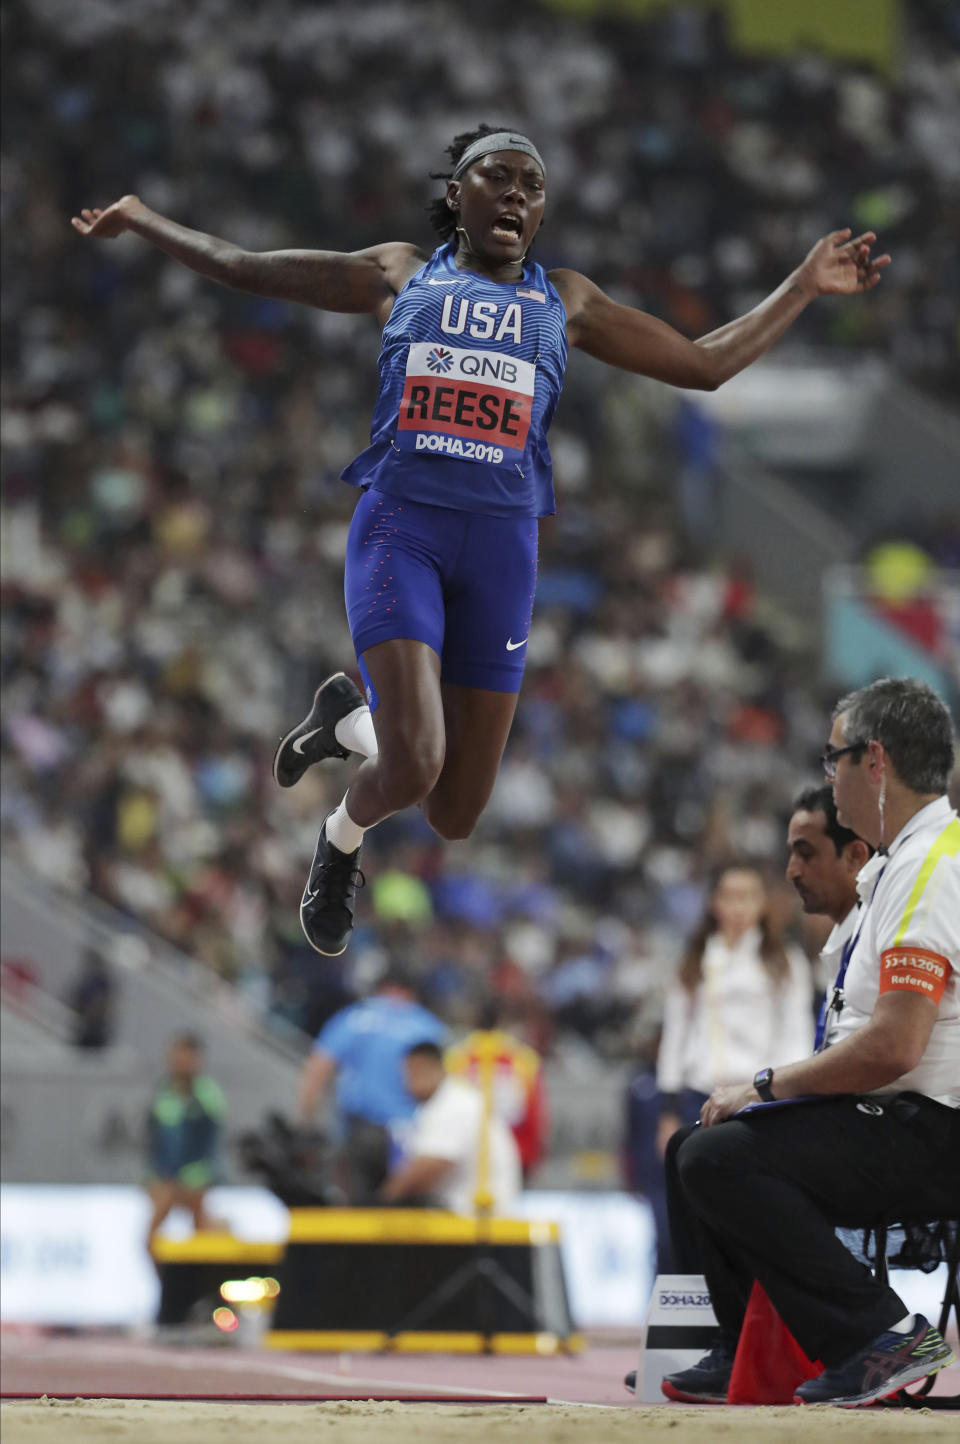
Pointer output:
907, 1323
355, 732
342, 831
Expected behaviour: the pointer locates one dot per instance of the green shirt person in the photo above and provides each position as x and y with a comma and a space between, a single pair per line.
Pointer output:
184, 1130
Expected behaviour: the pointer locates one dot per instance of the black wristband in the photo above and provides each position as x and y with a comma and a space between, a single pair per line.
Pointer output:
763, 1081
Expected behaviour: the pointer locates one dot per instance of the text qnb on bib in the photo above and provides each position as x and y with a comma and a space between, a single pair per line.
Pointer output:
474, 405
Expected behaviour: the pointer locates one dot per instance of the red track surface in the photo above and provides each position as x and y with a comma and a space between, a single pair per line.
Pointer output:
101, 1366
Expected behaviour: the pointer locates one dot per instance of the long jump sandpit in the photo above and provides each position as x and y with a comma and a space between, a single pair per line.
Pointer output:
140, 1392
150, 1422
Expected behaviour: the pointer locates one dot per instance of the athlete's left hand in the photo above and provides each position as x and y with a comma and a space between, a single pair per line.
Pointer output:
839, 266
725, 1102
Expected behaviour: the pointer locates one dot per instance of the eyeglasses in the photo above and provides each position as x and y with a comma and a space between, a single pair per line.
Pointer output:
830, 755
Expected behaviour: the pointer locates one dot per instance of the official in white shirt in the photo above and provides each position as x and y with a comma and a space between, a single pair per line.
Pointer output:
824, 863
868, 1126
459, 1155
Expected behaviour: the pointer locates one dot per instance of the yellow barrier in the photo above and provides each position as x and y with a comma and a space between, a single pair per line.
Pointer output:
413, 1225
362, 1341
214, 1248
411, 1280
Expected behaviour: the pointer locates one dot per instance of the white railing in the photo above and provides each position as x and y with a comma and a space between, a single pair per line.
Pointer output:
131, 947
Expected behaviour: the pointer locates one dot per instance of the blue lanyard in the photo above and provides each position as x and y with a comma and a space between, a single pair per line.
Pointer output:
835, 1005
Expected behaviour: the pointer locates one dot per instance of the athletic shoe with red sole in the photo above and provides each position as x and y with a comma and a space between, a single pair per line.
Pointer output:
880, 1369
705, 1382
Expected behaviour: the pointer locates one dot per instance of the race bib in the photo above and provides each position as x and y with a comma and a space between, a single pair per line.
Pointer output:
472, 405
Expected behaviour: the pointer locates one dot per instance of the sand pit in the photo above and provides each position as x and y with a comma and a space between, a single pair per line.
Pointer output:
137, 1422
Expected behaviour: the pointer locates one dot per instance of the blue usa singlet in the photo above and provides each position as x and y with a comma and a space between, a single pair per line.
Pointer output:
470, 374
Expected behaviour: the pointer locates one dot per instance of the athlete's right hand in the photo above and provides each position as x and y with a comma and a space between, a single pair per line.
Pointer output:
104, 225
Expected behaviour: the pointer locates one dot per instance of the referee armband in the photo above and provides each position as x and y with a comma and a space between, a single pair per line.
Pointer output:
914, 970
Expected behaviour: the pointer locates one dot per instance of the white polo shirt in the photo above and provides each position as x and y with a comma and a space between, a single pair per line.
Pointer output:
831, 954
449, 1126
910, 942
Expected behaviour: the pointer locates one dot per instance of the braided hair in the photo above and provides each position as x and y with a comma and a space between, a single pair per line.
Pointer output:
442, 218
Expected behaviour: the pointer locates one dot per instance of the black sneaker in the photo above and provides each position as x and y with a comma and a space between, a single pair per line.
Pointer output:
314, 738
630, 1381
880, 1369
706, 1382
326, 908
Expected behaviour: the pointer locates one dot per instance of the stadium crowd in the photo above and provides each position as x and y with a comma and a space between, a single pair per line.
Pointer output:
174, 522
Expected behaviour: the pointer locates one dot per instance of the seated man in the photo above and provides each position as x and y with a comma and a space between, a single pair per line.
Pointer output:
457, 1157
875, 1125
825, 862
359, 1056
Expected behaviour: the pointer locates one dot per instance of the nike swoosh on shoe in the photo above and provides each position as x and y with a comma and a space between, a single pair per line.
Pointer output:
301, 742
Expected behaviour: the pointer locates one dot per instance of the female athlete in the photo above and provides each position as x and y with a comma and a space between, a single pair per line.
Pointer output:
442, 553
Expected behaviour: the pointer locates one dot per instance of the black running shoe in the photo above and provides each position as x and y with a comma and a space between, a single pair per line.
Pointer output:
326, 908
706, 1382
879, 1369
314, 738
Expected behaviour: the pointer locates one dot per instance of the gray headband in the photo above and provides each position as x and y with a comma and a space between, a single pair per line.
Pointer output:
499, 140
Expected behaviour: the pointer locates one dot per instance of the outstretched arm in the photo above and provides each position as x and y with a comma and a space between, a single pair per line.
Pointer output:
634, 341
358, 281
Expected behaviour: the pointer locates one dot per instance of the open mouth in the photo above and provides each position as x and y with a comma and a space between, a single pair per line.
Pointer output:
507, 227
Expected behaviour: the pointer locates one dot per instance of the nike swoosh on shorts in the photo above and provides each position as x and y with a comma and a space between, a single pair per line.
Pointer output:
512, 645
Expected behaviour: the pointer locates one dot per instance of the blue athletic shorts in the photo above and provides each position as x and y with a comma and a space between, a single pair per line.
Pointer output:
461, 582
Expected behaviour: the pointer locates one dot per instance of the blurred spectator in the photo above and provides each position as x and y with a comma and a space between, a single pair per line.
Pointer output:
184, 1131
517, 1082
457, 1155
93, 1001
742, 1000
360, 1054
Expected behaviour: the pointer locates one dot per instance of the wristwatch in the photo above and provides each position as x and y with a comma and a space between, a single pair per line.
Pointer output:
762, 1081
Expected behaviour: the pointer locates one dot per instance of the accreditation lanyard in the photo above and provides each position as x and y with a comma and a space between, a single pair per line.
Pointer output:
835, 1005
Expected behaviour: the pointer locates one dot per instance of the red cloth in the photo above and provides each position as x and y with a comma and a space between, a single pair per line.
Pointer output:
769, 1363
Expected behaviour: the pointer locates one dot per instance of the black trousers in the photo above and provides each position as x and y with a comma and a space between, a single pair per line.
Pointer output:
759, 1197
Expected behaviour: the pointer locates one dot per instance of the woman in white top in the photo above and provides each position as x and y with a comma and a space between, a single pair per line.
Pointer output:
742, 1000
